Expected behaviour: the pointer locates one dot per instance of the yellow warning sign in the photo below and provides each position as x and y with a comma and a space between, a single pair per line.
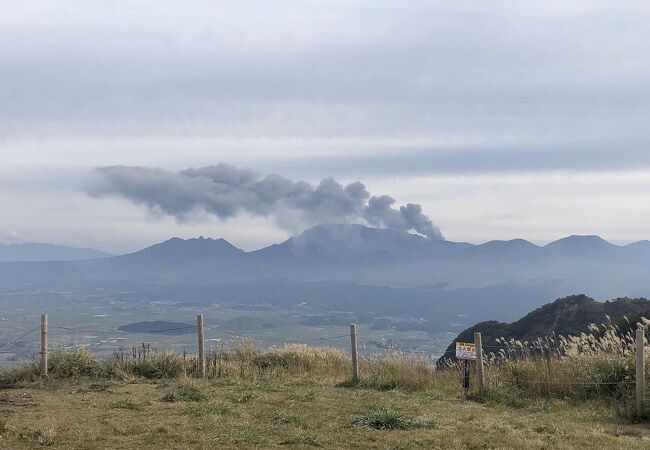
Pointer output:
465, 350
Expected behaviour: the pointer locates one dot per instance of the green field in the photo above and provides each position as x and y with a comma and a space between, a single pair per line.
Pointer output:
97, 313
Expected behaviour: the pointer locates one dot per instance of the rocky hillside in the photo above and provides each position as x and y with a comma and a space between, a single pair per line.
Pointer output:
565, 316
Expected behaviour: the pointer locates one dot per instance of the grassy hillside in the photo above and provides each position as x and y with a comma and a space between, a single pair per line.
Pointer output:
294, 414
578, 395
302, 397
567, 316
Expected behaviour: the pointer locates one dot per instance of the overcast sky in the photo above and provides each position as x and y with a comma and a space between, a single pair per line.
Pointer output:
503, 119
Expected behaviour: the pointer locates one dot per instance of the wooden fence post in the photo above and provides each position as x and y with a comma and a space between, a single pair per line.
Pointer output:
640, 369
201, 336
355, 360
43, 364
479, 361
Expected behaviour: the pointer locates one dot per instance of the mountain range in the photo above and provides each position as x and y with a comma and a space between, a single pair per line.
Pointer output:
390, 258
360, 270
33, 251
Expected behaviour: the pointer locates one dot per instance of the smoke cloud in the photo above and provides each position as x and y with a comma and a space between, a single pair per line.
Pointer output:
224, 191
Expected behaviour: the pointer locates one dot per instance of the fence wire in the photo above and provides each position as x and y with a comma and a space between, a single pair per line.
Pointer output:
286, 341
394, 348
189, 327
511, 352
25, 334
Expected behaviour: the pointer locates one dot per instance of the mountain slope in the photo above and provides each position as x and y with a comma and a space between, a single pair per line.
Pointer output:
358, 254
513, 249
34, 251
353, 242
584, 247
565, 316
176, 250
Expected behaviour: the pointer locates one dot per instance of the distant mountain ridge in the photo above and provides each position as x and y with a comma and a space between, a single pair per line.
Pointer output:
360, 255
183, 250
374, 276
355, 241
34, 251
333, 240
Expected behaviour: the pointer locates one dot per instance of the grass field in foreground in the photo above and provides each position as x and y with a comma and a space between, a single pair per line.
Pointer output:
242, 414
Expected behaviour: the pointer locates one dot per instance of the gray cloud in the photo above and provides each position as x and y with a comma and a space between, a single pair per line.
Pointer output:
560, 71
359, 89
599, 156
225, 191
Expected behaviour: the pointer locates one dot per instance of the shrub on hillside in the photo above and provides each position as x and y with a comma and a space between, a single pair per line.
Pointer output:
21, 374
74, 364
398, 371
596, 365
184, 393
156, 366
300, 359
61, 365
388, 419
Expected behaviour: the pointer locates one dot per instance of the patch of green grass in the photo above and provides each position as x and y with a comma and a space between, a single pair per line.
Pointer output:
279, 417
243, 398
302, 439
184, 394
388, 419
167, 365
201, 409
629, 412
125, 404
539, 405
101, 386
502, 395
44, 438
244, 435
221, 382
128, 431
303, 397
271, 385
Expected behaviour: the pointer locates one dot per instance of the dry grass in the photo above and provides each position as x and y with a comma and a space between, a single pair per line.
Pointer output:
241, 361
397, 371
581, 367
300, 396
605, 339
83, 414
579, 377
599, 365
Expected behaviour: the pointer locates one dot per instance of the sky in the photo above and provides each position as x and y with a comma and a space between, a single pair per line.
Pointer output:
501, 119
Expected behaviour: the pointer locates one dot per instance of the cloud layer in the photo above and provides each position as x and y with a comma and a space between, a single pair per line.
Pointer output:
226, 191
557, 71
500, 117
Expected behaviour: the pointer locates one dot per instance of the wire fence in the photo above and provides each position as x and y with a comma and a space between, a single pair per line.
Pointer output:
377, 342
382, 344
153, 332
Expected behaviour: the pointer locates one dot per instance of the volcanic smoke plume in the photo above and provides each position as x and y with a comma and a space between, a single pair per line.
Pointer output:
224, 191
